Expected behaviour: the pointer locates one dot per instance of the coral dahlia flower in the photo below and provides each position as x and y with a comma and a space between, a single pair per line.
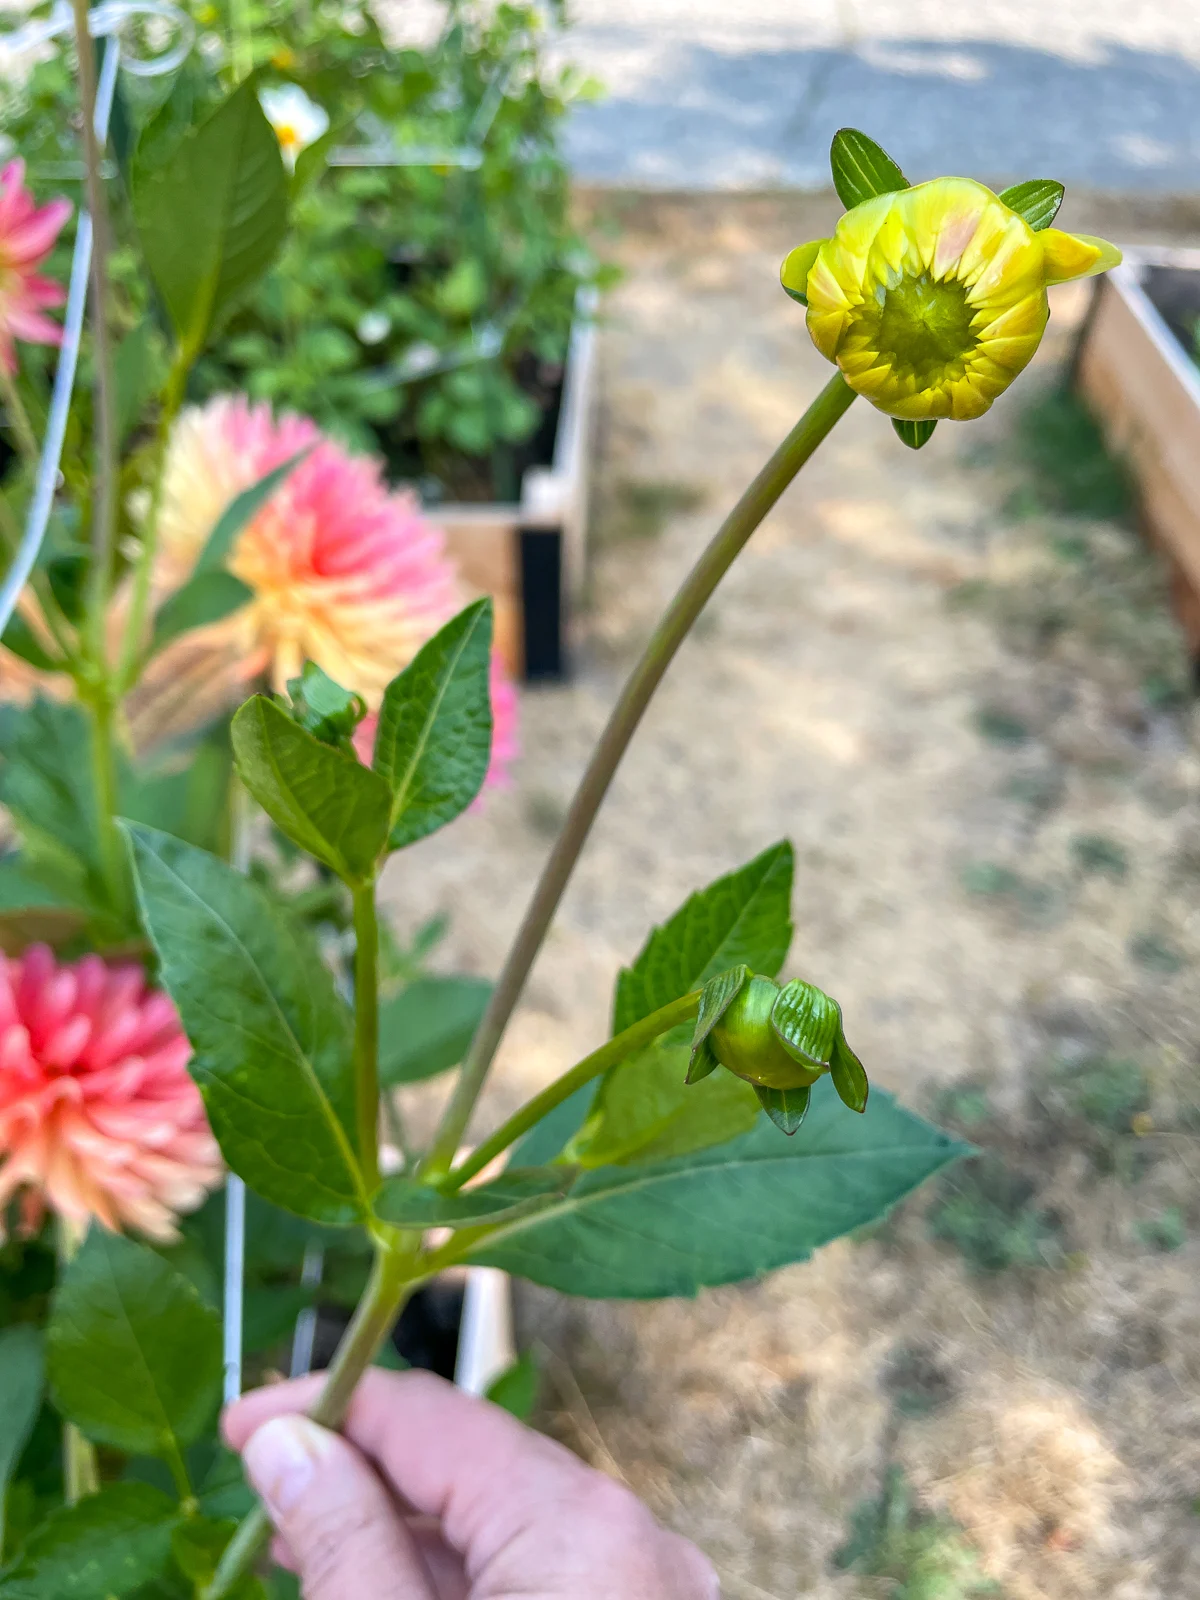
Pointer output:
345, 572
27, 235
98, 1116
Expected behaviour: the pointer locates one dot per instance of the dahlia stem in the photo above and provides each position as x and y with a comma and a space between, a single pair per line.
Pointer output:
81, 1475
593, 1066
366, 1030
52, 615
18, 418
697, 588
104, 499
393, 1279
135, 624
104, 786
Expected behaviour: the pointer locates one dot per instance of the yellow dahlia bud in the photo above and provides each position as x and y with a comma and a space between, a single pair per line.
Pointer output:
932, 299
780, 1040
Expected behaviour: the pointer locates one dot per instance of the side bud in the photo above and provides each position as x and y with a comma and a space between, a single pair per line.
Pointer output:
780, 1040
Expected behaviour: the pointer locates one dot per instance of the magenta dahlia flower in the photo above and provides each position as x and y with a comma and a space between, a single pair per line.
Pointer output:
27, 235
345, 571
98, 1116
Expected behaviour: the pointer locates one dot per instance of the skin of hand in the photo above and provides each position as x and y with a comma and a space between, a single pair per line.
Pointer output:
429, 1494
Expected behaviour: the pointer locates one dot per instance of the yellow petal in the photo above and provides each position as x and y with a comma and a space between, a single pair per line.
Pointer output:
1075, 255
797, 265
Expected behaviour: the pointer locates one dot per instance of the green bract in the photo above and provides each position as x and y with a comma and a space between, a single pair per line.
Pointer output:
781, 1040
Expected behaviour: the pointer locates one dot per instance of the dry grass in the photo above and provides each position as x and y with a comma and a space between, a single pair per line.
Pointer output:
937, 764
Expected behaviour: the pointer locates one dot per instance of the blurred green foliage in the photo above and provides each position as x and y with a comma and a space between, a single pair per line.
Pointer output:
422, 311
927, 1557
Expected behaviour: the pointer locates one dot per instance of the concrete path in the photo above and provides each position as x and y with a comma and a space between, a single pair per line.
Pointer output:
746, 93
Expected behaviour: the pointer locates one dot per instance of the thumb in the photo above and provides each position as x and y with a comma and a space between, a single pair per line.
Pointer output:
341, 1529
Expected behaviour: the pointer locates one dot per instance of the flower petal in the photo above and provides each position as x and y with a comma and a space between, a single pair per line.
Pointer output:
1075, 255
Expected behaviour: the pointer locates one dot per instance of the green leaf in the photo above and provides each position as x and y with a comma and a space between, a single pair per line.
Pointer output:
45, 781
849, 1077
1037, 200
862, 169
321, 797
138, 372
515, 1389
206, 598
435, 727
198, 1545
428, 1027
744, 918
22, 1381
106, 1547
647, 1111
547, 1138
787, 1108
33, 912
272, 1040
192, 801
241, 511
211, 216
20, 638
718, 995
913, 434
133, 1355
410, 1204
733, 1211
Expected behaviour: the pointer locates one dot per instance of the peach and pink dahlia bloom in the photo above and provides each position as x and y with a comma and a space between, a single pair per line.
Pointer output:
345, 571
27, 235
98, 1116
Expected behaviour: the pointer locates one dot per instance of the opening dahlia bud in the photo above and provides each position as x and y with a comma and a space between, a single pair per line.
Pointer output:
779, 1039
932, 298
329, 712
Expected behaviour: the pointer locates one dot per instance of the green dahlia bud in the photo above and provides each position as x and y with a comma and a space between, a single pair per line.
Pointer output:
781, 1040
329, 712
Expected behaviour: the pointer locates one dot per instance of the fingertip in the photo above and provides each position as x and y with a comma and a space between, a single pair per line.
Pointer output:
243, 1416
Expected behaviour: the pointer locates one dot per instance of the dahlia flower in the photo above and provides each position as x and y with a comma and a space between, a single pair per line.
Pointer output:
345, 572
297, 120
932, 299
27, 235
98, 1116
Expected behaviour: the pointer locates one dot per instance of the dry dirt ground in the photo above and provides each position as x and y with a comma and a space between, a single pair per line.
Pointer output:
964, 701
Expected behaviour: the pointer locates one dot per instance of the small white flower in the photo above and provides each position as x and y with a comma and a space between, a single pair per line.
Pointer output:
297, 120
374, 327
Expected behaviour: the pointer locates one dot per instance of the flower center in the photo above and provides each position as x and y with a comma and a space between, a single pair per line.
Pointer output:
925, 328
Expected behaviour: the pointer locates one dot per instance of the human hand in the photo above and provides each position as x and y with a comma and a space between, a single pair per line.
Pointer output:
432, 1495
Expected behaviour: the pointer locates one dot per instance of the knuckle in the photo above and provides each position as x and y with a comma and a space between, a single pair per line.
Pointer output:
609, 1503
327, 1542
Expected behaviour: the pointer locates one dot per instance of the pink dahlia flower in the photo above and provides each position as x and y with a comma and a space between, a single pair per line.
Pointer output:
98, 1116
345, 571
27, 235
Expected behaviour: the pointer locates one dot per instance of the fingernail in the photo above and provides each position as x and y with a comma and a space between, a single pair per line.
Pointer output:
281, 1459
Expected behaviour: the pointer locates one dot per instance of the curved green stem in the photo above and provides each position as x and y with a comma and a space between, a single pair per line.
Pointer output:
833, 401
135, 624
593, 1066
105, 779
107, 477
394, 1276
18, 418
366, 1031
81, 1474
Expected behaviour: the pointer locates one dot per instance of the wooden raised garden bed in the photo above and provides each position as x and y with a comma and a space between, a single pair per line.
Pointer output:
531, 556
1135, 368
